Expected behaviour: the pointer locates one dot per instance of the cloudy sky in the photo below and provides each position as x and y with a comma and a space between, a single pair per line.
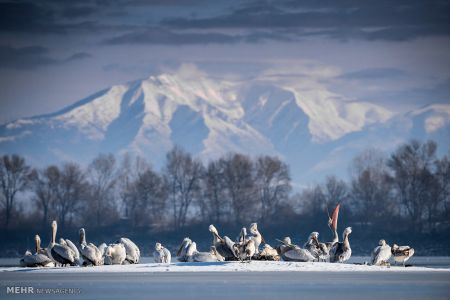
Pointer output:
52, 52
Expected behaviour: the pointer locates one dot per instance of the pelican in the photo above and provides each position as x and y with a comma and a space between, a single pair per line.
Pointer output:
381, 254
161, 254
268, 253
133, 252
38, 259
312, 245
115, 254
61, 254
285, 245
90, 253
341, 251
246, 250
224, 246
182, 251
402, 253
257, 237
290, 252
74, 248
196, 256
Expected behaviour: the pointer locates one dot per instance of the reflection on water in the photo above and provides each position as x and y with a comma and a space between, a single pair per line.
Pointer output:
418, 261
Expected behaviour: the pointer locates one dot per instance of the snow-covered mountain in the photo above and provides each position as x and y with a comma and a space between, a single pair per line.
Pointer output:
314, 130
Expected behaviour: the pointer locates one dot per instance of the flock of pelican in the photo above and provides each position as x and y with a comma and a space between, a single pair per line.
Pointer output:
246, 247
65, 253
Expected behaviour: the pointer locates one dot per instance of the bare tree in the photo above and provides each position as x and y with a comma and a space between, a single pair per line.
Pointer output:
239, 181
71, 191
45, 187
371, 187
214, 204
148, 199
102, 179
273, 184
14, 177
182, 176
411, 165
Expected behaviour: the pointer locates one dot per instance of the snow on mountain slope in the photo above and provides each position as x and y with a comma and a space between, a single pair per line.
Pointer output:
304, 124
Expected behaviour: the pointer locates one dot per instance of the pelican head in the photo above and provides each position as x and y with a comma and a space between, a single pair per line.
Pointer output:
287, 241
62, 241
347, 231
158, 247
254, 228
213, 229
394, 247
382, 243
37, 238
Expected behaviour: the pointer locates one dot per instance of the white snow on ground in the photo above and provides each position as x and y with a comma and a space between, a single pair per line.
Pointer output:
254, 266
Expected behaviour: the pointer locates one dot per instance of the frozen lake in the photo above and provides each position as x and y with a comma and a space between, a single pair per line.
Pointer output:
429, 278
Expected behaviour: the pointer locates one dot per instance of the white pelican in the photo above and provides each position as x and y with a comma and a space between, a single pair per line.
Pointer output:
402, 253
341, 251
38, 259
195, 256
224, 246
182, 251
257, 237
243, 237
290, 252
133, 252
74, 248
161, 254
115, 254
312, 245
90, 253
268, 253
381, 254
61, 254
246, 250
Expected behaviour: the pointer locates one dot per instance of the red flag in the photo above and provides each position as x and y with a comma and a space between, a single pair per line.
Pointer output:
334, 217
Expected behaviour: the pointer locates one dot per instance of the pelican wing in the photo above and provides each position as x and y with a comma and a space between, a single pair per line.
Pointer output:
64, 251
133, 252
73, 248
204, 257
91, 253
298, 254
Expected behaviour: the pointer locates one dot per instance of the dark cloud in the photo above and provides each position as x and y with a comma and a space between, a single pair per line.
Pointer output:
32, 57
374, 73
373, 20
162, 36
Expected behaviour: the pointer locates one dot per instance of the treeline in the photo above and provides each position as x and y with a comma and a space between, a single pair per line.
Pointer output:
408, 190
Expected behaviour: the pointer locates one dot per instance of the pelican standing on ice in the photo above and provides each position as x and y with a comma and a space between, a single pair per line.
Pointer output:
38, 259
133, 252
312, 245
381, 254
114, 254
257, 237
402, 253
161, 254
90, 253
224, 246
61, 254
341, 252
